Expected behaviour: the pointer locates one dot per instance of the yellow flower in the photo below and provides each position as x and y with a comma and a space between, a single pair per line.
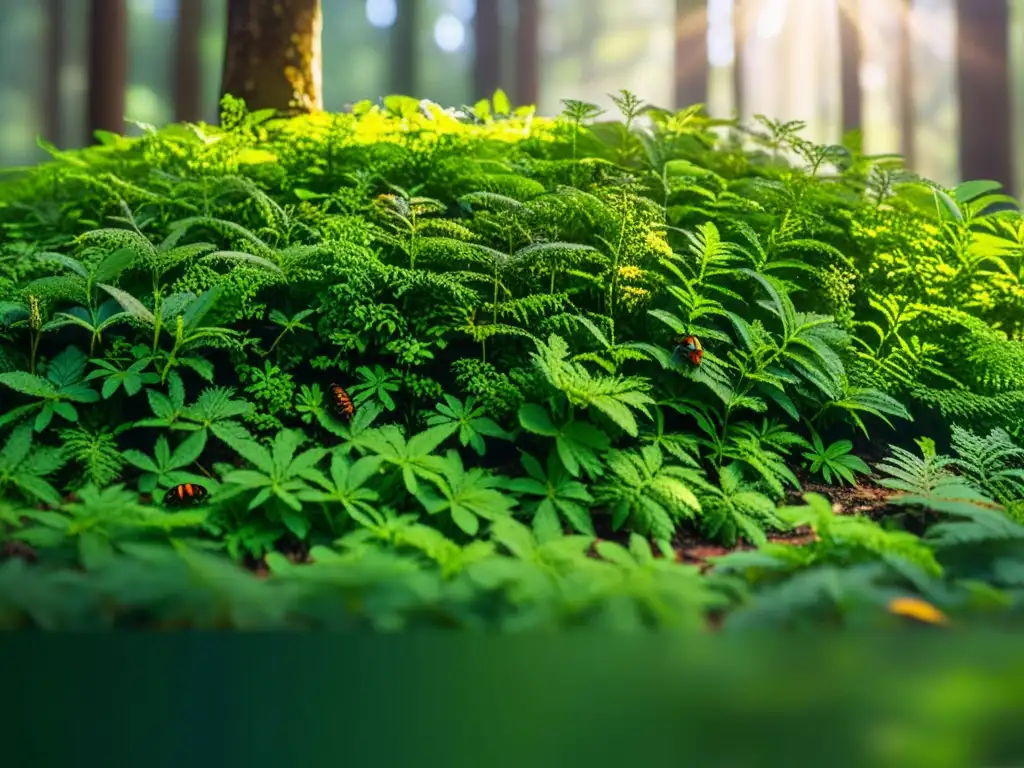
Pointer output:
656, 242
918, 609
633, 297
630, 272
35, 318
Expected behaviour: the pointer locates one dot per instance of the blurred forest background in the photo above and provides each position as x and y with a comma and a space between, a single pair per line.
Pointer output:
939, 80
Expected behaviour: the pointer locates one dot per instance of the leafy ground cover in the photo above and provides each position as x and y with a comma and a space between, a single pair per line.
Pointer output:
477, 368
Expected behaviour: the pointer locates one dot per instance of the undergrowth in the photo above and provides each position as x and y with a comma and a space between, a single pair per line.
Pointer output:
479, 368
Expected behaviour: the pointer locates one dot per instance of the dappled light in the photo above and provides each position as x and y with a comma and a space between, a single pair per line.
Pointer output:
691, 329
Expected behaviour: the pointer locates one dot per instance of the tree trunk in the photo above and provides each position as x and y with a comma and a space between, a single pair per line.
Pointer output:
53, 66
850, 62
187, 68
273, 55
527, 79
108, 28
740, 33
487, 49
691, 53
983, 77
405, 50
907, 122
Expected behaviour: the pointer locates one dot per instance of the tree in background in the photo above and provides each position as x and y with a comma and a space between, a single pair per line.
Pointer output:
906, 84
850, 64
691, 48
983, 79
188, 98
107, 66
272, 58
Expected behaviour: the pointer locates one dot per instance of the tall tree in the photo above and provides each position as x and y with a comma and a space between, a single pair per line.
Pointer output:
487, 48
52, 66
850, 63
906, 83
187, 69
691, 53
527, 80
983, 77
740, 32
404, 50
273, 58
108, 37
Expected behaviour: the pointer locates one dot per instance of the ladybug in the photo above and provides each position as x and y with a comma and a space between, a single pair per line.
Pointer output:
184, 495
691, 347
339, 403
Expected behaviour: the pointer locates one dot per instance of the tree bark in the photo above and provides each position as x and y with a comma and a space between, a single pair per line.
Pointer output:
405, 50
108, 28
53, 65
273, 58
527, 79
486, 48
187, 68
850, 62
691, 53
983, 77
740, 32
907, 121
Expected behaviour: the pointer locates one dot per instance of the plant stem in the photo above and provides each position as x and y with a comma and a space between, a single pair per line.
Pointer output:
35, 349
279, 337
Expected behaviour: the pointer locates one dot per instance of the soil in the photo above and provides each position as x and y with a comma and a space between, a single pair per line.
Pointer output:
13, 549
865, 498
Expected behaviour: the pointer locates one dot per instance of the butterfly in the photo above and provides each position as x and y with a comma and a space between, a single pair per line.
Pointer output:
185, 494
691, 347
339, 403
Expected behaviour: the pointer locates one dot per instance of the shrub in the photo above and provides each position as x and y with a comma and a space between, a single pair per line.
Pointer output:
479, 368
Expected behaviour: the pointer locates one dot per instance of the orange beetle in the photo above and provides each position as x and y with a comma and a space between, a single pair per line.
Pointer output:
184, 494
339, 403
691, 346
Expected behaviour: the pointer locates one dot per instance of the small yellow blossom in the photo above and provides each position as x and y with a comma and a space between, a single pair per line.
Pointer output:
656, 242
632, 296
916, 608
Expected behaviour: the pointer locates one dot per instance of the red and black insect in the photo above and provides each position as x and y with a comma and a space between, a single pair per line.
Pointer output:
186, 494
339, 403
691, 347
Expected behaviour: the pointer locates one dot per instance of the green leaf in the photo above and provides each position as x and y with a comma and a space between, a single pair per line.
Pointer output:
189, 451
27, 384
969, 190
534, 418
139, 459
248, 258
501, 103
114, 264
129, 304
296, 522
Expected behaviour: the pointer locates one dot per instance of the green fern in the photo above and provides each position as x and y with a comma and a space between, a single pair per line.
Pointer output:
649, 494
990, 462
95, 452
735, 508
614, 396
